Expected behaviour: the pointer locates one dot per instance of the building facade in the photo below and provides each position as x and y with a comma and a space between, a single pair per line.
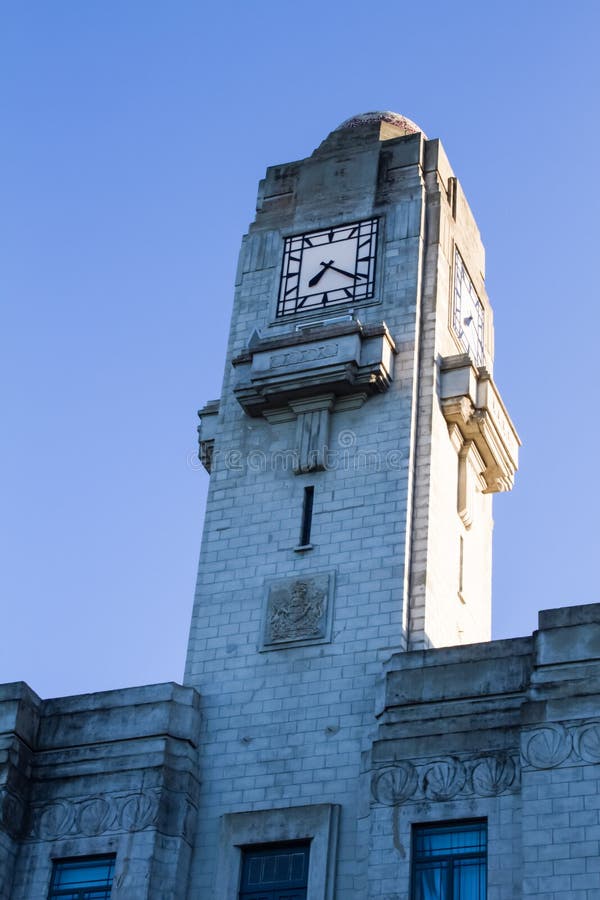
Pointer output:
346, 728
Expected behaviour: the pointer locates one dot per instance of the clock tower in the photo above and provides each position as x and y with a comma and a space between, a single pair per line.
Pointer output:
353, 457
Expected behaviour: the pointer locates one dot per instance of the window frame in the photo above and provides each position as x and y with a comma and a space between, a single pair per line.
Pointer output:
81, 892
265, 850
455, 825
317, 824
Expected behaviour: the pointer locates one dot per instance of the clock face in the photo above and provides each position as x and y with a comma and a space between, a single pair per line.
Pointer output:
325, 268
467, 313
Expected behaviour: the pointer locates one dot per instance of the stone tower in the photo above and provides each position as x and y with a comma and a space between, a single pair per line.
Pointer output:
353, 456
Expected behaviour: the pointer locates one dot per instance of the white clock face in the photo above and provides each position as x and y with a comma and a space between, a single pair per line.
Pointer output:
325, 268
467, 313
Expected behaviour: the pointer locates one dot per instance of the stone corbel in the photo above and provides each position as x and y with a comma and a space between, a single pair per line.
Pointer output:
472, 404
470, 474
312, 432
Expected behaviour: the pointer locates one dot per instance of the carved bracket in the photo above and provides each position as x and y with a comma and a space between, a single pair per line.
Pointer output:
471, 402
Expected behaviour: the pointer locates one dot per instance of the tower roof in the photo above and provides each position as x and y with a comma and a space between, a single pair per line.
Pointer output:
393, 120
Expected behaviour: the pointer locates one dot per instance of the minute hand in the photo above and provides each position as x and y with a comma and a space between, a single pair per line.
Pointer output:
347, 274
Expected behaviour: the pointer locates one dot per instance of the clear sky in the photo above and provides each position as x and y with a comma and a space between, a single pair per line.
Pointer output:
133, 135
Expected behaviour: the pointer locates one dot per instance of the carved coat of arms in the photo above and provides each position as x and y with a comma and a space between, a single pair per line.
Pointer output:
297, 609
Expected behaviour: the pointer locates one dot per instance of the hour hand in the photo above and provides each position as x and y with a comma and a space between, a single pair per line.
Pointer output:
316, 278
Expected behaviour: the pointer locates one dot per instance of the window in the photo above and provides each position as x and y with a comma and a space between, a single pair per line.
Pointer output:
276, 872
82, 879
449, 861
307, 511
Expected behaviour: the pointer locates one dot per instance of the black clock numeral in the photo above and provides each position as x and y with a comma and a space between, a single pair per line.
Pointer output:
308, 242
348, 293
325, 298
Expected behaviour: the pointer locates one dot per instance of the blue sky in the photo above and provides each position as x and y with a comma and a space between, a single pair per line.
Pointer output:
133, 138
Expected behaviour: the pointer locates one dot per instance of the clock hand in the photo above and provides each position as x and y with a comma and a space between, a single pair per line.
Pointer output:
347, 274
316, 278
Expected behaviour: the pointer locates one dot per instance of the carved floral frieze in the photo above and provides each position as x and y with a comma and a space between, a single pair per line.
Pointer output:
446, 778
556, 745
94, 816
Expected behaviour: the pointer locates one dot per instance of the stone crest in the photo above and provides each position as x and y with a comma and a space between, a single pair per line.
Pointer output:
298, 610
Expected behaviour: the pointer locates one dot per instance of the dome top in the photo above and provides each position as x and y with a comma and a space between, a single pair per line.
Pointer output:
393, 120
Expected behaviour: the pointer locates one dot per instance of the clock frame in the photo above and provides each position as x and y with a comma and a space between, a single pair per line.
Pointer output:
329, 267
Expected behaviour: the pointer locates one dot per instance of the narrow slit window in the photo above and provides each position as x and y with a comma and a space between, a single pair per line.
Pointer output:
307, 511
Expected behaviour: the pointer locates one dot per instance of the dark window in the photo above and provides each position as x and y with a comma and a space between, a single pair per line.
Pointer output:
307, 510
82, 879
449, 861
276, 872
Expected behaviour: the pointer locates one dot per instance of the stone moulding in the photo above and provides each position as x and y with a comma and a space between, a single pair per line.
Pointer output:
471, 401
446, 778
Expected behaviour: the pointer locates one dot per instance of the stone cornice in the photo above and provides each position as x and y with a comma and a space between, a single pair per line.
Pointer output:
343, 359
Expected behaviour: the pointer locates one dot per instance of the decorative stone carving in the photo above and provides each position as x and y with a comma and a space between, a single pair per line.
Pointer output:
55, 820
138, 812
394, 786
587, 742
300, 357
312, 432
444, 779
547, 747
94, 816
492, 775
298, 609
556, 744
206, 433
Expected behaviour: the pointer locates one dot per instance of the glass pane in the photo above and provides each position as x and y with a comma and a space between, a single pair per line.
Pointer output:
83, 879
274, 873
469, 879
446, 841
430, 881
